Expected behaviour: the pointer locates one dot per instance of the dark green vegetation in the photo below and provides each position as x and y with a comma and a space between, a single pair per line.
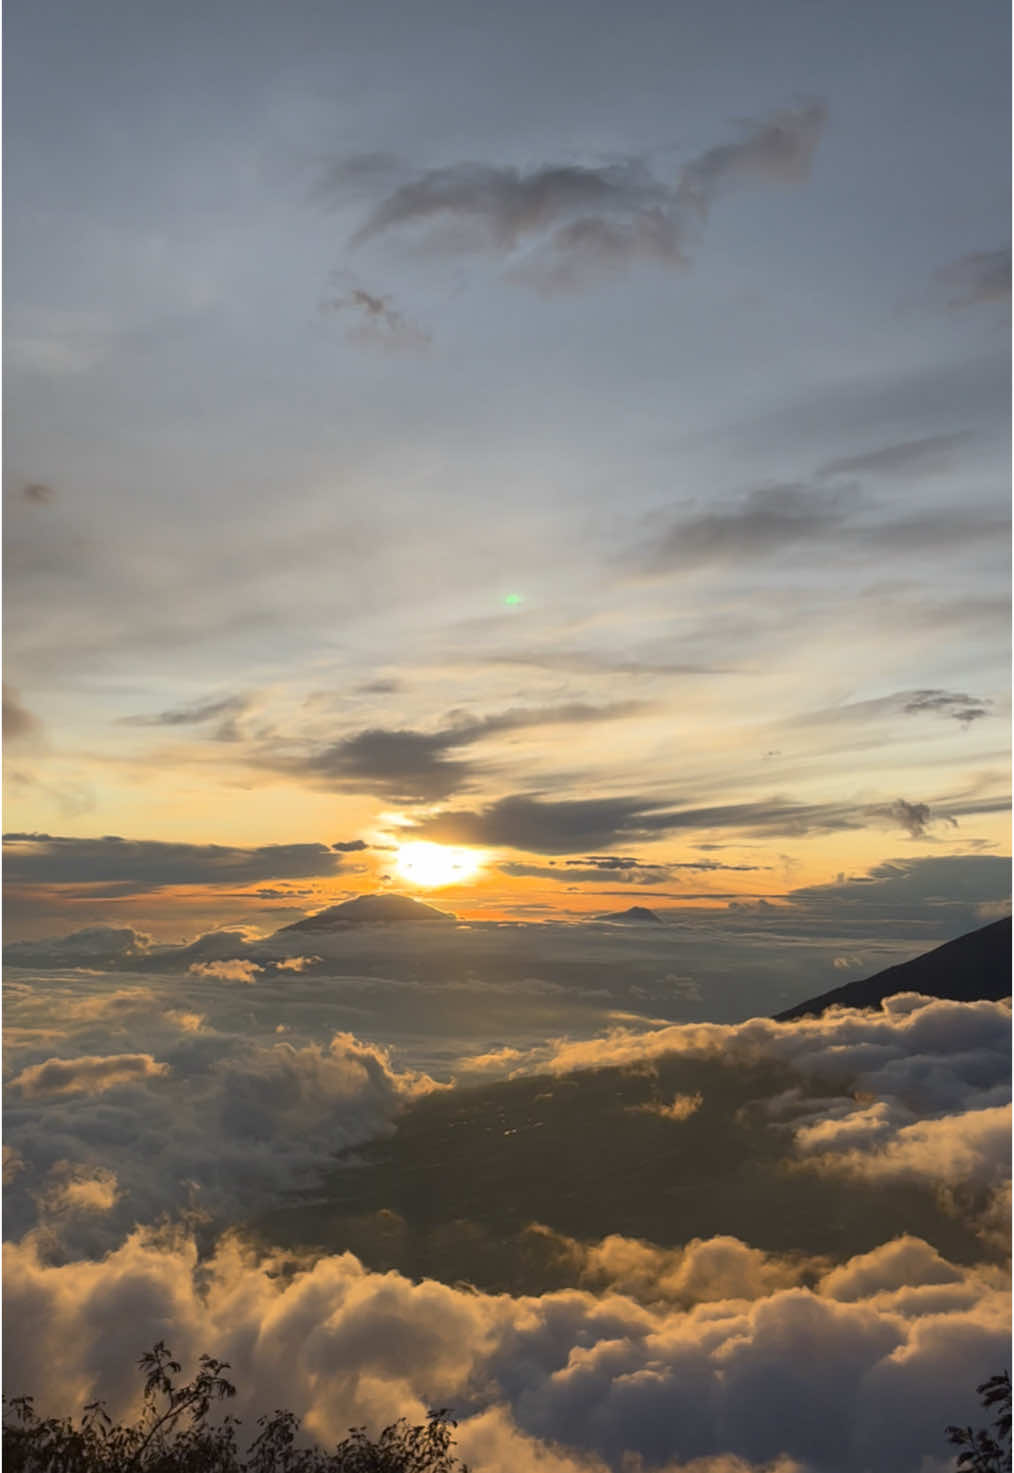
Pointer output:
985, 1450
973, 966
177, 1434
455, 1192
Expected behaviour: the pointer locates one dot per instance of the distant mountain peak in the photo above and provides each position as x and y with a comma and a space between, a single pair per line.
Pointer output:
633, 913
371, 909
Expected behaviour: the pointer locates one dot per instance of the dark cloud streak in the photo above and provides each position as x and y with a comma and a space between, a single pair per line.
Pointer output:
417, 767
139, 865
580, 221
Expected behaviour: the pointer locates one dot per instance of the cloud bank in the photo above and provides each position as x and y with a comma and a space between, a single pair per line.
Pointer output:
733, 1364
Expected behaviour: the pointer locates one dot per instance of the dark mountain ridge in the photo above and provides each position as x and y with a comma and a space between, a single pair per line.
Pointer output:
371, 910
635, 913
976, 965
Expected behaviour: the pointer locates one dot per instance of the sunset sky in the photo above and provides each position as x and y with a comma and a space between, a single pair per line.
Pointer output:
576, 436
531, 462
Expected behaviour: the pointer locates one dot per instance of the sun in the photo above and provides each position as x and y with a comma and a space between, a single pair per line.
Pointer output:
436, 864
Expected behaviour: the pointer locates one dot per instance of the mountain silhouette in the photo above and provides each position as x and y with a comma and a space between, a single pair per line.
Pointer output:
634, 913
976, 965
370, 909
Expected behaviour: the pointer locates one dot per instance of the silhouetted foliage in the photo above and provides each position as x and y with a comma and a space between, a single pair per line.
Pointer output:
175, 1435
985, 1451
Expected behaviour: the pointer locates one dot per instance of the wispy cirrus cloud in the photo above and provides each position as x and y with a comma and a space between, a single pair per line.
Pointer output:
226, 709
617, 868
770, 521
956, 706
375, 320
980, 276
925, 456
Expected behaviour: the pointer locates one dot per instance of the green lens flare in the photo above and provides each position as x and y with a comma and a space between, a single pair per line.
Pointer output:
512, 599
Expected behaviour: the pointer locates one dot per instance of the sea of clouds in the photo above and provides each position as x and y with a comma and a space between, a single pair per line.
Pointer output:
147, 1115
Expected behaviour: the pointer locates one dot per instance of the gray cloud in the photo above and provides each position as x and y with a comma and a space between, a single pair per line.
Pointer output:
384, 686
780, 148
505, 204
912, 817
600, 868
982, 276
224, 708
774, 519
584, 221
350, 846
38, 492
936, 896
954, 705
137, 865
588, 662
18, 722
910, 458
414, 766
85, 1075
961, 708
537, 825
375, 320
767, 521
356, 174
703, 1347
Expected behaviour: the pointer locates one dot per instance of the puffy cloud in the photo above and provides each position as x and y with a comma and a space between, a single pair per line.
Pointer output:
680, 1107
103, 946
74, 1190
189, 1022
227, 970
86, 1075
858, 1373
973, 1146
218, 1125
932, 1050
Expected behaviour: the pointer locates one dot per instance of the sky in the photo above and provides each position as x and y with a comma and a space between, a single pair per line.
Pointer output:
539, 460
573, 439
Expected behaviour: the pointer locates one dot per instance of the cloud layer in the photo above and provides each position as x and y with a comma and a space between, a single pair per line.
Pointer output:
857, 1374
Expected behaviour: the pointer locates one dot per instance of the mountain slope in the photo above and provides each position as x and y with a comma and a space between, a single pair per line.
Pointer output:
977, 965
370, 909
638, 914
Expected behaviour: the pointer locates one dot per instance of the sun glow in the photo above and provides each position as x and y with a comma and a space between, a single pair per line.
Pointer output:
436, 864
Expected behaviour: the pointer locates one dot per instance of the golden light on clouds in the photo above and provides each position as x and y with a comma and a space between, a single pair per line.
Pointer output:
436, 864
